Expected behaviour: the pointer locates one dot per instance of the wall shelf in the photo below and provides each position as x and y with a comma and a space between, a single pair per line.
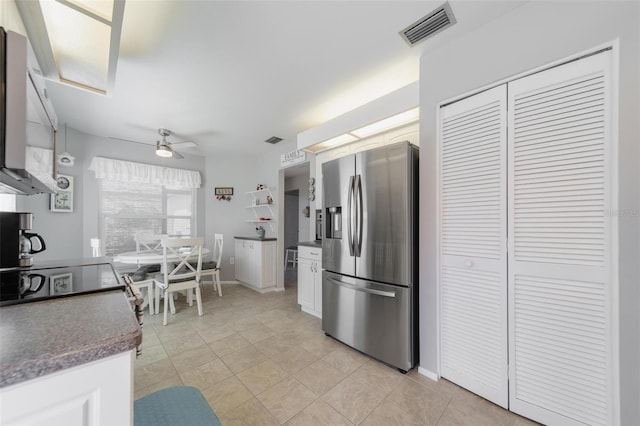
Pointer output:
261, 208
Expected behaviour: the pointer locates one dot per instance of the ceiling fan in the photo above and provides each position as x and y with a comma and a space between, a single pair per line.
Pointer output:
164, 148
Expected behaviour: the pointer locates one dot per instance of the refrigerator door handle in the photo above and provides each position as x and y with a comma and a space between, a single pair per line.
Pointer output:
350, 217
359, 217
363, 289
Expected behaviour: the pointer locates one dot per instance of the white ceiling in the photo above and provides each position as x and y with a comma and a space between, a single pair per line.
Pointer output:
230, 74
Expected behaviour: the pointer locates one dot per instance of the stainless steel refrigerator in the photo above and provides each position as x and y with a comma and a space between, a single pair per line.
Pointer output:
369, 252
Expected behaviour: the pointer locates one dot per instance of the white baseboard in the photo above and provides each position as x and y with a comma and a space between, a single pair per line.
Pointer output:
229, 282
428, 374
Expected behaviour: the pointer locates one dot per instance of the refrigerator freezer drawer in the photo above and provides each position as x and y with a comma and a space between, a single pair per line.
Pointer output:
371, 317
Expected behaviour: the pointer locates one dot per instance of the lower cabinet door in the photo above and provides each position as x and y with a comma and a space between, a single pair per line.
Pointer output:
306, 279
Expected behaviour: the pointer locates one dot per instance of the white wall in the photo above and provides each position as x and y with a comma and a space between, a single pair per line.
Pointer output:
229, 217
68, 234
301, 183
528, 37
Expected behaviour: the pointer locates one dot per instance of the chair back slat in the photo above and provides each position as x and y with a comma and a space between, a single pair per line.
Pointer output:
148, 240
189, 251
217, 249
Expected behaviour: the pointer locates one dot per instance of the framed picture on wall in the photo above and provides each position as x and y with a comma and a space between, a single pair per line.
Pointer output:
63, 200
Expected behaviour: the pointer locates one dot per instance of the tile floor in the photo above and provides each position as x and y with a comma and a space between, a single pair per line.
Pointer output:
259, 360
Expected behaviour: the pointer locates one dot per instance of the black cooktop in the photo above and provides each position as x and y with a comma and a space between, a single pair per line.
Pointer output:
21, 285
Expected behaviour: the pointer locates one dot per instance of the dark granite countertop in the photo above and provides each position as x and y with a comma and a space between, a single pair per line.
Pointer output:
314, 244
254, 238
41, 338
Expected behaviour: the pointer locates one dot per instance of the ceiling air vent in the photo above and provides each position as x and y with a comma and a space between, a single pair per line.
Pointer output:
273, 140
431, 24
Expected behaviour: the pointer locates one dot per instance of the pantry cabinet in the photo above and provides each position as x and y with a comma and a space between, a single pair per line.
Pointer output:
310, 280
255, 263
526, 259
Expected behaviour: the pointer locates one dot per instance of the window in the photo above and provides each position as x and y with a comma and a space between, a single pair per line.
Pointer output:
129, 208
7, 203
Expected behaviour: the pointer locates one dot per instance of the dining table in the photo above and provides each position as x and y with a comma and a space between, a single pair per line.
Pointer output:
150, 257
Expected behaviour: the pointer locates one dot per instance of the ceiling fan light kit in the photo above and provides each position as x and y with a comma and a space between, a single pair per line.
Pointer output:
163, 151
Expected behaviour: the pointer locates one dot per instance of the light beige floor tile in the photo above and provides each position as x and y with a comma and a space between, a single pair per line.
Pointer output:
150, 355
466, 407
320, 377
319, 413
262, 376
227, 395
353, 399
345, 360
149, 339
165, 383
379, 376
172, 330
206, 375
441, 386
250, 413
181, 344
229, 344
421, 402
274, 345
388, 414
320, 345
216, 332
286, 399
295, 359
193, 358
150, 374
257, 333
245, 323
244, 358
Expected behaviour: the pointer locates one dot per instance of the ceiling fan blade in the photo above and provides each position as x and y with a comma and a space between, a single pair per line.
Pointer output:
184, 144
176, 154
128, 140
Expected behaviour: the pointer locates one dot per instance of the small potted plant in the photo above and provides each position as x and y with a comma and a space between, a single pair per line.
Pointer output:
260, 231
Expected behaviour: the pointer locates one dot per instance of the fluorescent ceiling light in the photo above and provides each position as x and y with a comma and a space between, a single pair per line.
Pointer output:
75, 41
338, 140
388, 123
163, 151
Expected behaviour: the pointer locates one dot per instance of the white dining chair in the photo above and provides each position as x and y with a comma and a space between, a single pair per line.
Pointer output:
179, 276
212, 269
148, 240
143, 277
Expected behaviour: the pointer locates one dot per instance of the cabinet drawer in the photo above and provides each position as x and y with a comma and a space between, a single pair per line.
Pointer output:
312, 253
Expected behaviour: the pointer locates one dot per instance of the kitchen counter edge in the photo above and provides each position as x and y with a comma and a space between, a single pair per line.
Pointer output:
45, 337
254, 238
313, 244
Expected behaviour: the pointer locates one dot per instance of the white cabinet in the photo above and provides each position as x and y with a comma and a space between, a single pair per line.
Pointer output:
532, 159
96, 393
310, 280
262, 207
256, 263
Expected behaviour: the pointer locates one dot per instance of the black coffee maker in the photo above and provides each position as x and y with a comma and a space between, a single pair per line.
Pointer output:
17, 244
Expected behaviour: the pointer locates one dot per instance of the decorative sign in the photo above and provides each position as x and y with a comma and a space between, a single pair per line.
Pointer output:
223, 194
224, 191
293, 157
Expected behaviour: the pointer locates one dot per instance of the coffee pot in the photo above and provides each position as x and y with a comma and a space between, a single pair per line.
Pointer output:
17, 244
27, 247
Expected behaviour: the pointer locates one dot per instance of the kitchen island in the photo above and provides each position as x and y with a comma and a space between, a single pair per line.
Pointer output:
68, 360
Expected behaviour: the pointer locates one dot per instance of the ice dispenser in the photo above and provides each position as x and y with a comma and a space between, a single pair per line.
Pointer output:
333, 222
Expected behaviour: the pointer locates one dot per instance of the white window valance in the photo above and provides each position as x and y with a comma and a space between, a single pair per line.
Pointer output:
129, 171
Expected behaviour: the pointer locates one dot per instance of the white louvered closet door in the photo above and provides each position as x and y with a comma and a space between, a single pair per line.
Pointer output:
473, 265
559, 263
